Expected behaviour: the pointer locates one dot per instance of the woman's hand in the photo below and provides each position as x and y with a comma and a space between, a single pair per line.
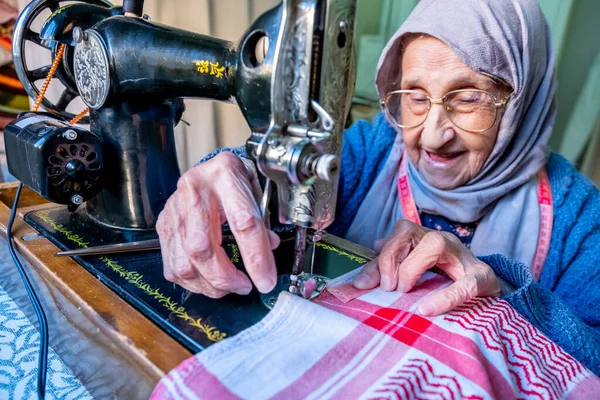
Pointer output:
219, 190
411, 250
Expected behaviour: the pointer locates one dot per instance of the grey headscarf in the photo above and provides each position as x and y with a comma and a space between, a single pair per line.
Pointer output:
508, 40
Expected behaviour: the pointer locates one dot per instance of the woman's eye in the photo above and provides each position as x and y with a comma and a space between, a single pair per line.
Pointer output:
468, 99
419, 99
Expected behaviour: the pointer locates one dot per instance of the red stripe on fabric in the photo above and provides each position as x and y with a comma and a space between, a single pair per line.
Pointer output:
456, 351
573, 366
554, 380
515, 346
160, 392
203, 383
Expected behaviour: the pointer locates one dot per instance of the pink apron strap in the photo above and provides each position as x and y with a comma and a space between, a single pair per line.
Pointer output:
546, 220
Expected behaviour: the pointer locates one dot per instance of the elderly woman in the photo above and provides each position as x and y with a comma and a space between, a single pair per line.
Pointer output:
455, 174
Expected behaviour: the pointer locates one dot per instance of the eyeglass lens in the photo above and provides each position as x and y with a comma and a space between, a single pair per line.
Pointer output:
468, 110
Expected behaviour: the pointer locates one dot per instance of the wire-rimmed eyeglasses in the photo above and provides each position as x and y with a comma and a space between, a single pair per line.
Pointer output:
471, 110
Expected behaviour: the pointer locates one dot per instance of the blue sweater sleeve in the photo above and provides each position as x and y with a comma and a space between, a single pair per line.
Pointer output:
565, 305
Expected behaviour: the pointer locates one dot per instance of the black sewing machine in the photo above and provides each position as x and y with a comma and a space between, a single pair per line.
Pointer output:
291, 74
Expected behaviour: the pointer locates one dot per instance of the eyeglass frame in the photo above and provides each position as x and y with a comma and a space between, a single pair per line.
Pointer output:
499, 103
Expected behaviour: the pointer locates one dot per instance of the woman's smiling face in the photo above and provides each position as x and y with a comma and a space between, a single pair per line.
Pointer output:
444, 154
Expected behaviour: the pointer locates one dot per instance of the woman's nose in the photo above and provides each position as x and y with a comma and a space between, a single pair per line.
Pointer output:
437, 129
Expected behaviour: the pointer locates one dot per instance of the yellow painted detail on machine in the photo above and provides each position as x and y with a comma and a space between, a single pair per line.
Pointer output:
137, 279
235, 253
342, 253
43, 215
210, 68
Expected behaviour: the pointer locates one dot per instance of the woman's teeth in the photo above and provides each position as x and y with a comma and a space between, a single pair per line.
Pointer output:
444, 157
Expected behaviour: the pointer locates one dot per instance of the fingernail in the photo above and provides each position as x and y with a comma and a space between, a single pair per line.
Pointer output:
361, 281
425, 309
265, 285
244, 290
401, 288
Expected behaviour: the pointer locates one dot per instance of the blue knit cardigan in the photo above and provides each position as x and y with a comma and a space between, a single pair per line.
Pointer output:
565, 305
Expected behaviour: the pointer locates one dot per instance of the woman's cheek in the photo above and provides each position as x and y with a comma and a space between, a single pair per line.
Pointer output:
412, 145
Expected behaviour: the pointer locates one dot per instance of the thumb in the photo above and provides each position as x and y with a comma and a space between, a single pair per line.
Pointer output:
369, 276
449, 298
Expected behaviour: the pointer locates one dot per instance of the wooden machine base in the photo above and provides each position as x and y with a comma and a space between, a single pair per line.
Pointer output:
112, 348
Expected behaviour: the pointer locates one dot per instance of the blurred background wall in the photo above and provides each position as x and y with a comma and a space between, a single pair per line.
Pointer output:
576, 34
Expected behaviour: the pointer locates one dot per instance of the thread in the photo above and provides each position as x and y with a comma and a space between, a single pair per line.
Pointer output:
40, 98
79, 116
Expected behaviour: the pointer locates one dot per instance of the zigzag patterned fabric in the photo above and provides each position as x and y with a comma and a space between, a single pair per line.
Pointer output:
19, 346
377, 347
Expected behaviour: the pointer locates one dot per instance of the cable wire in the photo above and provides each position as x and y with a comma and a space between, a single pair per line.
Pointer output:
37, 306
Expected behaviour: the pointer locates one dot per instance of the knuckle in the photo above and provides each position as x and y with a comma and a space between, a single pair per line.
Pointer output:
471, 286
387, 259
185, 181
186, 272
228, 161
200, 250
435, 240
403, 225
244, 221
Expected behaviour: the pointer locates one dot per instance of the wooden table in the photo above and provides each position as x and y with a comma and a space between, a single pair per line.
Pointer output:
113, 349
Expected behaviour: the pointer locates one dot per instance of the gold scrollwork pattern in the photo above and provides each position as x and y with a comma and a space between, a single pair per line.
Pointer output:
210, 68
235, 252
137, 279
44, 216
359, 260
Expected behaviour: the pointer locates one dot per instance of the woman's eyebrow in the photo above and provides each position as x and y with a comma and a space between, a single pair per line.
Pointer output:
412, 82
458, 82
466, 80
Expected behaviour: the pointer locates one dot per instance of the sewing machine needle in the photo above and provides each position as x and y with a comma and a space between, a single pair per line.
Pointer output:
316, 238
299, 259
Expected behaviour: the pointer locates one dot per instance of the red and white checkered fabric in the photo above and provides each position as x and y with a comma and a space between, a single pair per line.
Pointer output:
377, 347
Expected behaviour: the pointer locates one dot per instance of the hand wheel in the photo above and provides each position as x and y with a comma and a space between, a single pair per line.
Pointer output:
23, 33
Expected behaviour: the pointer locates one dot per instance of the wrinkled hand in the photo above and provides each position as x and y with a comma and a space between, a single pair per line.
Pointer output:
410, 250
219, 190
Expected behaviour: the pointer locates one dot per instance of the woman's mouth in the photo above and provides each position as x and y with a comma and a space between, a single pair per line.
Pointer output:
445, 160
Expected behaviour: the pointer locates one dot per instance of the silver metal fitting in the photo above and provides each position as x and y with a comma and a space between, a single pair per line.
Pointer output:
77, 199
70, 135
79, 35
327, 167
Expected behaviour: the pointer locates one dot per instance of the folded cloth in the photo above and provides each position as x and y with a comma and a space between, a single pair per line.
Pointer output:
377, 347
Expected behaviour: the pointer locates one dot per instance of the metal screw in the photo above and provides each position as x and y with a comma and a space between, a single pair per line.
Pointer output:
79, 35
70, 135
76, 199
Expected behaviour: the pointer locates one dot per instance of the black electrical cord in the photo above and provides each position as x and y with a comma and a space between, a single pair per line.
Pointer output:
37, 306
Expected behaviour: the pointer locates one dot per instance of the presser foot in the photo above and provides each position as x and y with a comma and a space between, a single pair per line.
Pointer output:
303, 285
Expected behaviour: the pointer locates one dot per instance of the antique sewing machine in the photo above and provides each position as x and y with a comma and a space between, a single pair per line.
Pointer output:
292, 76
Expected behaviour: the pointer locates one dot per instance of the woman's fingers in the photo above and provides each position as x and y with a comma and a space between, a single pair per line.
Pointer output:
243, 215
396, 249
432, 250
369, 276
449, 298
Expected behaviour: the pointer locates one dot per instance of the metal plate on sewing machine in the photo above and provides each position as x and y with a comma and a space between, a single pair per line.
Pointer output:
193, 320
